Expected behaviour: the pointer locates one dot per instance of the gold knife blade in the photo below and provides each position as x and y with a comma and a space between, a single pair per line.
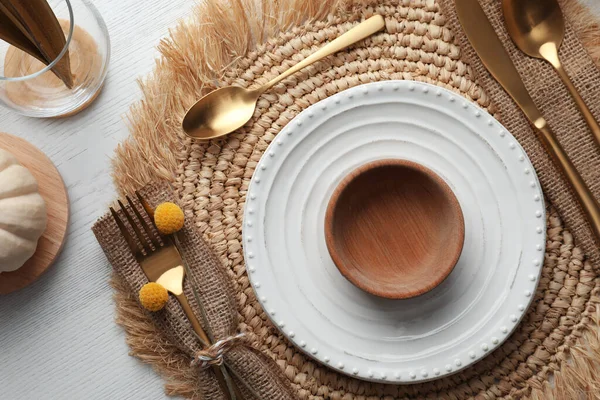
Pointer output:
490, 49
492, 53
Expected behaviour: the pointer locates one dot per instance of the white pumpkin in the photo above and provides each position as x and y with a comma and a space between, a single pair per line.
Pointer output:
22, 213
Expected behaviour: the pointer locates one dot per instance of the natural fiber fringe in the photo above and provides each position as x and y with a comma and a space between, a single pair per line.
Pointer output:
578, 377
586, 26
197, 54
218, 34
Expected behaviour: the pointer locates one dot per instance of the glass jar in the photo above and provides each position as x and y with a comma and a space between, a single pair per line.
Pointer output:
31, 88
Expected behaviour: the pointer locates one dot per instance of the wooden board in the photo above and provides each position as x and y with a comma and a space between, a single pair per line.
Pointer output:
52, 189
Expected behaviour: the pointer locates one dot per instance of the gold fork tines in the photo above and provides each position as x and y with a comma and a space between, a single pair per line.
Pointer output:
155, 253
153, 235
134, 221
147, 207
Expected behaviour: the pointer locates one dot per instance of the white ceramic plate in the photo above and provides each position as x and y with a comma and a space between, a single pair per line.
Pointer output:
400, 341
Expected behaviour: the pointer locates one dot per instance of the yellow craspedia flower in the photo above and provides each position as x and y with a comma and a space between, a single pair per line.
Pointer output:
168, 218
153, 296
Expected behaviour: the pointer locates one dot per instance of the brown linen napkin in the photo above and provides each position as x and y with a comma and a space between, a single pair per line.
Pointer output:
256, 375
553, 99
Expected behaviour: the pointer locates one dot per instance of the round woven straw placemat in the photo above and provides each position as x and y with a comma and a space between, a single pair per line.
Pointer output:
239, 46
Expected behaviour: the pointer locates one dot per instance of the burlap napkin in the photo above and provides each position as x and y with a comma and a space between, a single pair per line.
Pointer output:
553, 99
256, 375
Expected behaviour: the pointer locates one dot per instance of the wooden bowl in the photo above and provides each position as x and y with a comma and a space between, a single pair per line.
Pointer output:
394, 228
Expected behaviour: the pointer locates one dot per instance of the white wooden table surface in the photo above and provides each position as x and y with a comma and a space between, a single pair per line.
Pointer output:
58, 339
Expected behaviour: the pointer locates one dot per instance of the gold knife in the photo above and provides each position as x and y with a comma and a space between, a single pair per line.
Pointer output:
491, 51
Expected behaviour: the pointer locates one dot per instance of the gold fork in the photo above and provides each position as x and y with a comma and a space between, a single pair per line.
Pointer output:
162, 263
159, 258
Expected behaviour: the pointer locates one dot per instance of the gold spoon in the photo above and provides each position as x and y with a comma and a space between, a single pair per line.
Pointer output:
224, 110
537, 28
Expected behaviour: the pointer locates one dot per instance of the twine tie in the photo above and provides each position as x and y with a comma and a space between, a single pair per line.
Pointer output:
213, 355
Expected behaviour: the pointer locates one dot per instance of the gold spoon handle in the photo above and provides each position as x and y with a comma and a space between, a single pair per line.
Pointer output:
550, 53
356, 34
587, 201
583, 108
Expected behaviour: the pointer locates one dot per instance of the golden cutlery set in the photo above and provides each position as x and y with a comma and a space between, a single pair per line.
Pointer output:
535, 26
492, 53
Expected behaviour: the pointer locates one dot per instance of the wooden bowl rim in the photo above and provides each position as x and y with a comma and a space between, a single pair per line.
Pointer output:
454, 252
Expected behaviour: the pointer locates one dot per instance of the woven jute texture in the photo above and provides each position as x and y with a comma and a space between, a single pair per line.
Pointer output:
555, 352
256, 375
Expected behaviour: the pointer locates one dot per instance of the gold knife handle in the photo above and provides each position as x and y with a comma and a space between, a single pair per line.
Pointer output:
586, 200
228, 388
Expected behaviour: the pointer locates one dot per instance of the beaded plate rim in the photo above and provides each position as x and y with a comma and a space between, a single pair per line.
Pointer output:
475, 352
